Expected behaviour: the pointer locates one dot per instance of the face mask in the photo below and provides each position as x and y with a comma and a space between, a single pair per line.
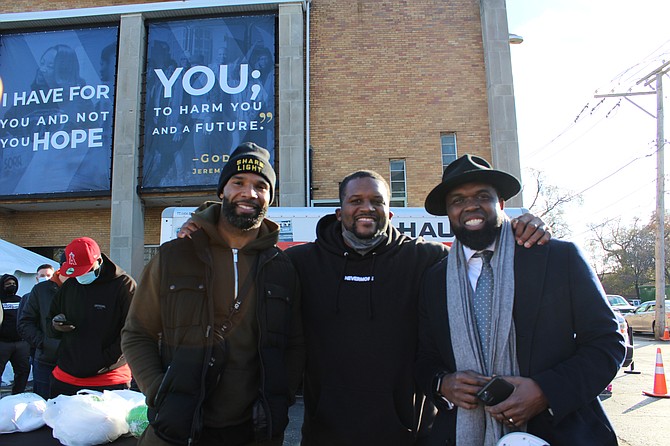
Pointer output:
42, 279
89, 277
11, 290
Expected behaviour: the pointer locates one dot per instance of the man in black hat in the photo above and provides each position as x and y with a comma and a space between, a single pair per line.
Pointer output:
536, 317
214, 336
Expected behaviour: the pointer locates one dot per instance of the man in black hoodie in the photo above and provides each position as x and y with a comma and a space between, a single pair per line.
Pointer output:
12, 347
87, 314
359, 283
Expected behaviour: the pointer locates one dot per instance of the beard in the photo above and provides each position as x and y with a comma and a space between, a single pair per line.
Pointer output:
244, 222
481, 238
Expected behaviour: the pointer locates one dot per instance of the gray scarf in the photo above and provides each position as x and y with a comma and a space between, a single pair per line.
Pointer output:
360, 245
476, 427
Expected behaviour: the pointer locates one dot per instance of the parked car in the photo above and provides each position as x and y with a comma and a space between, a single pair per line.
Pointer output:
620, 304
643, 319
623, 329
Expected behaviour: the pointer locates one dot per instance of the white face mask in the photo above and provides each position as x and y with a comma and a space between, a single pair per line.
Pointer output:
89, 277
42, 279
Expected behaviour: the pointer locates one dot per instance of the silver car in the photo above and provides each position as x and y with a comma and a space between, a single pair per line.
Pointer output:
643, 318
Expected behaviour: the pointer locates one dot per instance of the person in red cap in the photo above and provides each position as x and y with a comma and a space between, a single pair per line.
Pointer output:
87, 314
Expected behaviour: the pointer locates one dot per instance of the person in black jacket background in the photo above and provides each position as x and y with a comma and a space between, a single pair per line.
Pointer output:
32, 326
12, 347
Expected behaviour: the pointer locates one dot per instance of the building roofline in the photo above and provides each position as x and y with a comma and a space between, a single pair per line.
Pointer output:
103, 14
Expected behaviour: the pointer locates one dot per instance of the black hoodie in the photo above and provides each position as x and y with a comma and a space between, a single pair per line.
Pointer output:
10, 308
98, 311
360, 322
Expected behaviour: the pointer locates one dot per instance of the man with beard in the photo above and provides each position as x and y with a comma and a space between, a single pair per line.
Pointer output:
537, 317
214, 336
359, 283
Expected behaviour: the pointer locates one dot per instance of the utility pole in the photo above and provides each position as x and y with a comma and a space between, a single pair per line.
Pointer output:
656, 75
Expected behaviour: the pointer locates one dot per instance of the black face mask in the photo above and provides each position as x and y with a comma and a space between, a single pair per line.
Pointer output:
11, 290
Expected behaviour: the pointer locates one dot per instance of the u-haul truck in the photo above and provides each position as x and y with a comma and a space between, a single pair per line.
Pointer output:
298, 224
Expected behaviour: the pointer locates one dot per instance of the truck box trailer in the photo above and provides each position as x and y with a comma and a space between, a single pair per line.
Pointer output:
298, 224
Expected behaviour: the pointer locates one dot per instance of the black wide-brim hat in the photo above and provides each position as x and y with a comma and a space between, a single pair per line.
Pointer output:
470, 169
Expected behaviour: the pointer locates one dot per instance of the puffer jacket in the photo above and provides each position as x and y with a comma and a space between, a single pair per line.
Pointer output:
173, 310
32, 324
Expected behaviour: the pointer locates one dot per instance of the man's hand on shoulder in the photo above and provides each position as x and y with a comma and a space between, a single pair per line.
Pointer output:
530, 230
188, 228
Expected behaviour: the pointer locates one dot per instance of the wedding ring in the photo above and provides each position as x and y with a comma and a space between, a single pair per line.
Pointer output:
511, 421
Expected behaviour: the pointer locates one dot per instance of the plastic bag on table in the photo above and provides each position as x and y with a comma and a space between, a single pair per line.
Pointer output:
137, 420
86, 418
21, 412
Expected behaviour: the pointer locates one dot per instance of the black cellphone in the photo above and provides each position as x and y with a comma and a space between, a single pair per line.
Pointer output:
60, 319
495, 391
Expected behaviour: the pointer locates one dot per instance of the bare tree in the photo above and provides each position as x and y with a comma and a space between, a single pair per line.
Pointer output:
549, 202
629, 255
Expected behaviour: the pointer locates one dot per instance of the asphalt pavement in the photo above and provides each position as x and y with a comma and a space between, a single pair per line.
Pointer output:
640, 420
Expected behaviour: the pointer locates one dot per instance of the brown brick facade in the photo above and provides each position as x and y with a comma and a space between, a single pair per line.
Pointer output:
58, 228
386, 79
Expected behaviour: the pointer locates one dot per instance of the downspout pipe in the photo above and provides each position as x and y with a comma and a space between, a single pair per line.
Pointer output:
308, 145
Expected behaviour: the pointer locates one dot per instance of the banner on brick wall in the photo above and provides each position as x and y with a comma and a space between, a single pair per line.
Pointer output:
56, 111
210, 85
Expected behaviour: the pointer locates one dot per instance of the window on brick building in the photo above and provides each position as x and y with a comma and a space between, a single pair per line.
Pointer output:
448, 146
398, 183
325, 203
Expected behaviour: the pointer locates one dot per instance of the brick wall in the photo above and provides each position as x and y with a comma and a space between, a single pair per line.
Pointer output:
386, 78
58, 228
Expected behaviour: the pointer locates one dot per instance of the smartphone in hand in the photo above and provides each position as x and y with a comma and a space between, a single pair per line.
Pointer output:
495, 391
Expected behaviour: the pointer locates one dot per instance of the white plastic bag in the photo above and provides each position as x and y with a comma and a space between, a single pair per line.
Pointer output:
21, 412
87, 418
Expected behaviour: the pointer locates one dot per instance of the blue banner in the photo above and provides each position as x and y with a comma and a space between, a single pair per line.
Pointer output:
210, 86
56, 111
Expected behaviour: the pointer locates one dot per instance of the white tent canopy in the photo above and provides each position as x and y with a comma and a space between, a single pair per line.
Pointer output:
21, 263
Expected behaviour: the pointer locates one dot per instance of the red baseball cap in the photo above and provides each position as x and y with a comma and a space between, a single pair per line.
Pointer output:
80, 256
